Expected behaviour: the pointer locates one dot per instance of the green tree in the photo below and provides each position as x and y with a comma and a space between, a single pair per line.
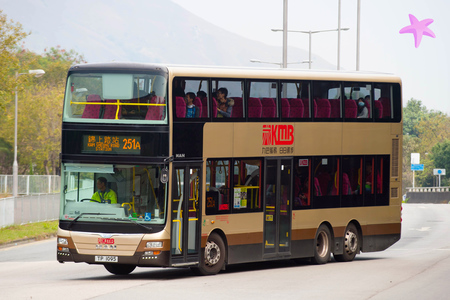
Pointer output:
412, 114
39, 101
10, 36
441, 158
422, 129
6, 156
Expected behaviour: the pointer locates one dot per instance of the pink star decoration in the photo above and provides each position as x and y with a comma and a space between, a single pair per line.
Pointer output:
418, 29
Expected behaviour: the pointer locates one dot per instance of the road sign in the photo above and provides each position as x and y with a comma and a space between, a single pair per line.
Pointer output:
438, 171
416, 167
415, 158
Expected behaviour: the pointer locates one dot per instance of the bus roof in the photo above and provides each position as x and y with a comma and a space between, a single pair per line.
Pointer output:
240, 72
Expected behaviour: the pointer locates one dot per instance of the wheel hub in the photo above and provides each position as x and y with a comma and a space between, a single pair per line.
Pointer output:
351, 242
322, 244
212, 253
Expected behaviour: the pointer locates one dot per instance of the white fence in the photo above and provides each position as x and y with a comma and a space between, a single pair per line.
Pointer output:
31, 184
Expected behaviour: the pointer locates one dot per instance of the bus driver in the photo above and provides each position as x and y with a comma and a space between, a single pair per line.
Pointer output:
103, 193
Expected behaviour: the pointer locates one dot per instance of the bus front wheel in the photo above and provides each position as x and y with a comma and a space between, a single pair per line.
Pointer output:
213, 257
322, 245
351, 244
119, 269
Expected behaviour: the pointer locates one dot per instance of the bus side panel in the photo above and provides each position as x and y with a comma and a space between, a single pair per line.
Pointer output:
380, 237
303, 242
245, 253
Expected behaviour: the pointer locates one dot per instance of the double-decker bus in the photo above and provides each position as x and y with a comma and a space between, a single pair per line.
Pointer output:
204, 167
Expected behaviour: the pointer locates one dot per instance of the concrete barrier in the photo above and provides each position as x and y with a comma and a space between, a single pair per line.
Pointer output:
29, 209
429, 196
6, 212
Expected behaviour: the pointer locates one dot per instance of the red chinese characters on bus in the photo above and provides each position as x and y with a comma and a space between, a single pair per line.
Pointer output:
275, 135
105, 241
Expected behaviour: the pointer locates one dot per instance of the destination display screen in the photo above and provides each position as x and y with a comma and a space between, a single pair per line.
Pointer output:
111, 144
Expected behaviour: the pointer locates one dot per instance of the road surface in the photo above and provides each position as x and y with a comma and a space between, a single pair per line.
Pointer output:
417, 267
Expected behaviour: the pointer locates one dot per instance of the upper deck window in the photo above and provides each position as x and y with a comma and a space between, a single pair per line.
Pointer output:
116, 98
190, 98
326, 102
295, 100
263, 99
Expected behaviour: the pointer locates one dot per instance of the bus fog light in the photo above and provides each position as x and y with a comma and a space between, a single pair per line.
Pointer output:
62, 241
154, 245
152, 252
63, 249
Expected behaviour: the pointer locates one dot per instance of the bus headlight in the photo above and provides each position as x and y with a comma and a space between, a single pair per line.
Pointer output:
62, 241
154, 245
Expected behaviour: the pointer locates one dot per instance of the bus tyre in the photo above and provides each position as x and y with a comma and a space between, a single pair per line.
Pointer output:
351, 244
118, 269
213, 258
322, 244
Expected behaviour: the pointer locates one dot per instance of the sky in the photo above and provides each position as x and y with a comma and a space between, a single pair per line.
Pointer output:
424, 70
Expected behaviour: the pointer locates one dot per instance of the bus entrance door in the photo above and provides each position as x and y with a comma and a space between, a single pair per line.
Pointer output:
277, 207
185, 214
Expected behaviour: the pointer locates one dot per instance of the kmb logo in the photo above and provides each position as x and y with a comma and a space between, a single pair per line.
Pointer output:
278, 135
105, 241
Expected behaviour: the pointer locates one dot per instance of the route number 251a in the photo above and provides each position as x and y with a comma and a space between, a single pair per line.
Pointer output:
131, 144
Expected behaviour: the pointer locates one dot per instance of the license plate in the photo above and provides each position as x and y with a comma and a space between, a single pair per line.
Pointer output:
107, 259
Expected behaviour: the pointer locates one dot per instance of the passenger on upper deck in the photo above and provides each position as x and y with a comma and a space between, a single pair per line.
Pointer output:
104, 194
363, 112
192, 111
224, 104
201, 94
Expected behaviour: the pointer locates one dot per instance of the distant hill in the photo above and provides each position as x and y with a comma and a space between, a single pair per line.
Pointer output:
148, 31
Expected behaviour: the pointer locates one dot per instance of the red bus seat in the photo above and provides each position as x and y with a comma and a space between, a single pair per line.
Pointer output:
254, 108
269, 109
323, 108
111, 110
351, 110
92, 111
156, 112
378, 109
296, 108
238, 111
285, 108
335, 105
198, 103
204, 107
386, 102
214, 106
180, 107
305, 108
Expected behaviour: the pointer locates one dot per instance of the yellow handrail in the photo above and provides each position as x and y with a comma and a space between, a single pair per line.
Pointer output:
119, 103
153, 189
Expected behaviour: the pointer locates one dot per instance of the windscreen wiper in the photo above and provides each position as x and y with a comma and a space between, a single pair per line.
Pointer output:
83, 214
132, 221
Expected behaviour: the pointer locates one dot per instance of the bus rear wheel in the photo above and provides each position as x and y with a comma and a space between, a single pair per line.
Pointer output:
119, 269
213, 257
351, 244
322, 245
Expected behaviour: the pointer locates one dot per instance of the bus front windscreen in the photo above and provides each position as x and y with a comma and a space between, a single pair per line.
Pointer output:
116, 98
113, 193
